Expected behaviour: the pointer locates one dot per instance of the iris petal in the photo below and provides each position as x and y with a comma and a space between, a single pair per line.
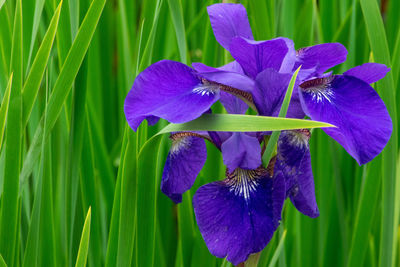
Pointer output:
184, 162
363, 124
235, 223
168, 90
228, 21
256, 56
322, 56
241, 150
368, 72
294, 164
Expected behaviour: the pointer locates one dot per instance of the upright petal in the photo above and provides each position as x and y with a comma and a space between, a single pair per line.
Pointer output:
256, 56
270, 91
229, 21
184, 162
368, 72
169, 90
322, 56
239, 215
362, 120
241, 150
294, 164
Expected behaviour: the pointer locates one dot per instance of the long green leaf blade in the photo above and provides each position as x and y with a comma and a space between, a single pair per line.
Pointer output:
380, 49
9, 204
64, 81
4, 109
282, 113
242, 123
35, 76
84, 244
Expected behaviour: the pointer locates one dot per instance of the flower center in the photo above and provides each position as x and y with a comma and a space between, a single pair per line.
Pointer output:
319, 88
206, 88
244, 182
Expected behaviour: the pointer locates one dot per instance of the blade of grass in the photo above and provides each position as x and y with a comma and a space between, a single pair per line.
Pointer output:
9, 204
39, 5
278, 250
84, 244
282, 113
64, 81
175, 6
242, 123
35, 76
147, 189
4, 109
127, 223
380, 50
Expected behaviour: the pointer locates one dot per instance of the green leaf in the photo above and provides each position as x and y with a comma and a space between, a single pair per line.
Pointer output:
282, 113
175, 7
278, 250
381, 54
64, 81
84, 244
127, 218
4, 109
2, 262
35, 76
147, 189
13, 144
365, 213
242, 123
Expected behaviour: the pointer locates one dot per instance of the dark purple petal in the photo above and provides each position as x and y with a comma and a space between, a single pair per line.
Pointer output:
362, 120
233, 79
229, 21
270, 91
368, 72
169, 90
294, 163
239, 215
241, 150
256, 56
322, 56
184, 162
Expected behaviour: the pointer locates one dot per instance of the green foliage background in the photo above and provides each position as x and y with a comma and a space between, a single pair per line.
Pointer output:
77, 186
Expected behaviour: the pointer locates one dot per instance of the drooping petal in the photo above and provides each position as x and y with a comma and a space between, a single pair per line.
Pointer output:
270, 91
368, 72
362, 120
294, 163
184, 162
241, 150
239, 215
169, 90
322, 56
222, 76
228, 21
256, 56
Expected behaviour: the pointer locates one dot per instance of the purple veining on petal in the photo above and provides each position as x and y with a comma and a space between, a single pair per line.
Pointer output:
294, 164
169, 90
238, 216
363, 124
184, 162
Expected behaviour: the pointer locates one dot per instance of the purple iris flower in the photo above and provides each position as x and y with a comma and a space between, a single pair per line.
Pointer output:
237, 216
